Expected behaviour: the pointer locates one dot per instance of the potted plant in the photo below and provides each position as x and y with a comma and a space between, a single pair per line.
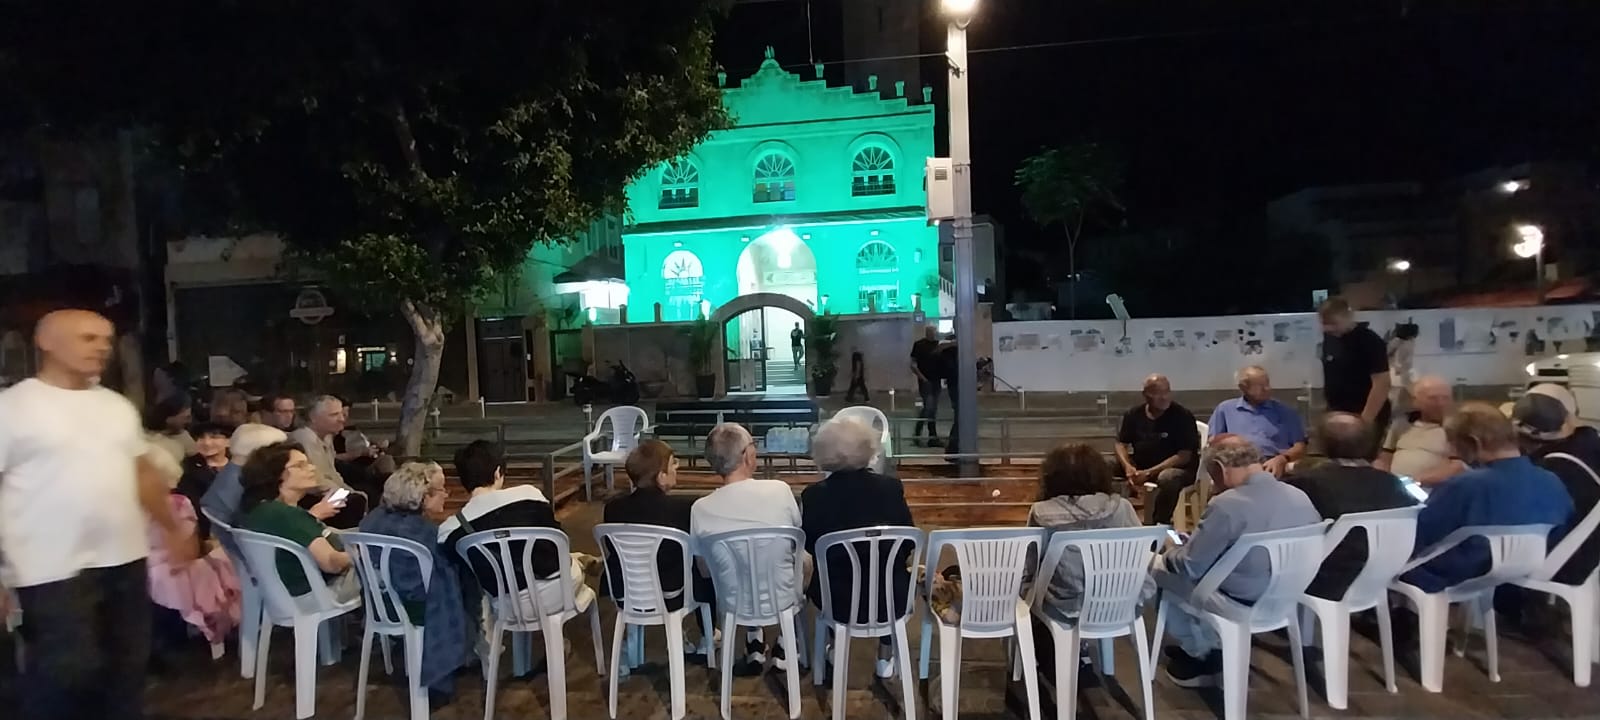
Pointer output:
702, 337
822, 340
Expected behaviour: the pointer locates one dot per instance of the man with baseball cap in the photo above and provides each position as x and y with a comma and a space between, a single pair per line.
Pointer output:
1547, 424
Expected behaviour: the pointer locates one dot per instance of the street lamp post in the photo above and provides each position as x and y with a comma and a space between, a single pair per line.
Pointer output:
1530, 243
959, 13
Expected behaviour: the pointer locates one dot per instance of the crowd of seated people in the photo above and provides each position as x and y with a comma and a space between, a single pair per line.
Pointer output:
1482, 469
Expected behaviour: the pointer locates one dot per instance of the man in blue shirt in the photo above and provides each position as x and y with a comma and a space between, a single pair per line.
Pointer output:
1503, 488
1271, 426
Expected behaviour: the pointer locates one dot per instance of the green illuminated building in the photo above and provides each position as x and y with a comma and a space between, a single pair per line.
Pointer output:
809, 178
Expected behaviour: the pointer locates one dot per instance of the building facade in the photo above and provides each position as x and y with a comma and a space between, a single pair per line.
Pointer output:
809, 178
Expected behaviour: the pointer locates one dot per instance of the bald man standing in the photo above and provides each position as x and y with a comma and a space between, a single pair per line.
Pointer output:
73, 480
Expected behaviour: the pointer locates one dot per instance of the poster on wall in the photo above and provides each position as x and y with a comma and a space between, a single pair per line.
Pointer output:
1028, 341
1086, 340
1008, 343
1447, 336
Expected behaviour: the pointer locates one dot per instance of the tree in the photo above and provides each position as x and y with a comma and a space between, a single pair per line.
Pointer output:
407, 151
1069, 186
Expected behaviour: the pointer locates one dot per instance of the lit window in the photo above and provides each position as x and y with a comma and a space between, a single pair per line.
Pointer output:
877, 277
774, 179
680, 185
685, 282
873, 172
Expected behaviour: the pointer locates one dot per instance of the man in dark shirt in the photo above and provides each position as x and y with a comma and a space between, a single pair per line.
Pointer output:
1347, 483
925, 366
1158, 442
1546, 420
950, 370
1355, 368
797, 345
493, 506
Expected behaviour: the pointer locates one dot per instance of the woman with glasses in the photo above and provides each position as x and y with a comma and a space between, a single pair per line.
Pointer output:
412, 496
275, 480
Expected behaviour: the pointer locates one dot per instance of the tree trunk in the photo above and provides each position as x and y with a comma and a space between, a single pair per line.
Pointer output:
427, 328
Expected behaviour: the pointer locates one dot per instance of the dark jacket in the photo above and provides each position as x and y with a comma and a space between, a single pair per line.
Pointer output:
1337, 489
195, 482
649, 506
1584, 445
846, 501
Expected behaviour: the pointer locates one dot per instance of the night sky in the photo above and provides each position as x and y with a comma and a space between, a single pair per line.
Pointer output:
1223, 105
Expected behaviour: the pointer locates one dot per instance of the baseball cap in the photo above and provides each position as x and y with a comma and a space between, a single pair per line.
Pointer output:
1543, 412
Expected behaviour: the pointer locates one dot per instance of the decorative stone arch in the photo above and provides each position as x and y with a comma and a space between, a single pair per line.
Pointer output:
745, 303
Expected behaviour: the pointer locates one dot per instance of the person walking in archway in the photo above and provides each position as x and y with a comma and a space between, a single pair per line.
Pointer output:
76, 484
797, 345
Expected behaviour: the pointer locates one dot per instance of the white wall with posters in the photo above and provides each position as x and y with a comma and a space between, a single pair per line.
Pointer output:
1488, 346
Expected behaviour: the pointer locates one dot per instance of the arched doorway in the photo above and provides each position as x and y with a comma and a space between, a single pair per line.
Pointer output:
755, 334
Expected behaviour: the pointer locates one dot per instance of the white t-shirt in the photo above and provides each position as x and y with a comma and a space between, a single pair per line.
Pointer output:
750, 505
1419, 447
69, 497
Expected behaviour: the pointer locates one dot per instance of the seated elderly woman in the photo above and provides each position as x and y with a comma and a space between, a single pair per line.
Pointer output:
851, 495
410, 496
275, 479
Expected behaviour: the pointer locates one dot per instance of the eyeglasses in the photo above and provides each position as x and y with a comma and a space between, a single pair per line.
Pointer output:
302, 465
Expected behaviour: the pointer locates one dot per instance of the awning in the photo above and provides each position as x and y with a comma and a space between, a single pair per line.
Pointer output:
597, 267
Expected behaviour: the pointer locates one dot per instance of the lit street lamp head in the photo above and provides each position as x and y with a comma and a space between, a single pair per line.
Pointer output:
1530, 241
1400, 266
959, 9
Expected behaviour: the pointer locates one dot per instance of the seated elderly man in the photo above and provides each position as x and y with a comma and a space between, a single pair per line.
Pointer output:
1504, 487
1274, 428
1158, 442
1416, 446
744, 502
1347, 483
1251, 501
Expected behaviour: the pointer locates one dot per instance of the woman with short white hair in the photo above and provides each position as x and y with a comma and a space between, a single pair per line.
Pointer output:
852, 495
412, 497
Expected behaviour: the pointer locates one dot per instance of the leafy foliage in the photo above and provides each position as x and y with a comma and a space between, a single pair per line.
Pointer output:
1066, 185
822, 338
702, 335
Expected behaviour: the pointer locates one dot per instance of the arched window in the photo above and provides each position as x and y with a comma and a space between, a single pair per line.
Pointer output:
774, 178
872, 172
685, 283
680, 185
878, 277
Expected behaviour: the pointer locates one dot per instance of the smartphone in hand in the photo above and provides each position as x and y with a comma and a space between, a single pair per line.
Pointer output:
339, 497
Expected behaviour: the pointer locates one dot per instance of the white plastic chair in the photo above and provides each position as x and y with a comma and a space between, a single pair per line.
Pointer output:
305, 614
373, 555
1191, 500
884, 547
748, 583
1293, 555
249, 596
1583, 600
636, 549
520, 606
994, 564
873, 418
627, 424
1516, 552
1116, 564
1385, 529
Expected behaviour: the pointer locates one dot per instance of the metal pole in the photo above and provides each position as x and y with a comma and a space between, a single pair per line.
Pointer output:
1538, 283
966, 282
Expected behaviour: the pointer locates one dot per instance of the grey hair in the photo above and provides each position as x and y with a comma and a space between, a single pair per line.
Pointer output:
725, 446
845, 444
1246, 372
1233, 452
322, 401
251, 437
406, 488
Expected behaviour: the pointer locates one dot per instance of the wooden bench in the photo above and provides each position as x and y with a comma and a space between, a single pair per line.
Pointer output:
692, 419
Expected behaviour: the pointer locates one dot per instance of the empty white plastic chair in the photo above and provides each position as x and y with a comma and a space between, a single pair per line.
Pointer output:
636, 550
531, 604
1516, 552
1386, 532
305, 613
627, 424
249, 596
1192, 499
1583, 600
994, 563
874, 555
373, 557
749, 578
1293, 555
874, 418
1116, 565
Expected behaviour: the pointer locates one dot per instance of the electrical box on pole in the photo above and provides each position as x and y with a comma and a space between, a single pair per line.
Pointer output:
940, 179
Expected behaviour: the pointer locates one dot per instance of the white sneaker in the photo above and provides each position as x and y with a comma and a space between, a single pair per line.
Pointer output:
885, 668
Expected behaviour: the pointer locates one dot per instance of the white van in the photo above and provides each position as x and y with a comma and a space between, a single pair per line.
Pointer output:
1580, 372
